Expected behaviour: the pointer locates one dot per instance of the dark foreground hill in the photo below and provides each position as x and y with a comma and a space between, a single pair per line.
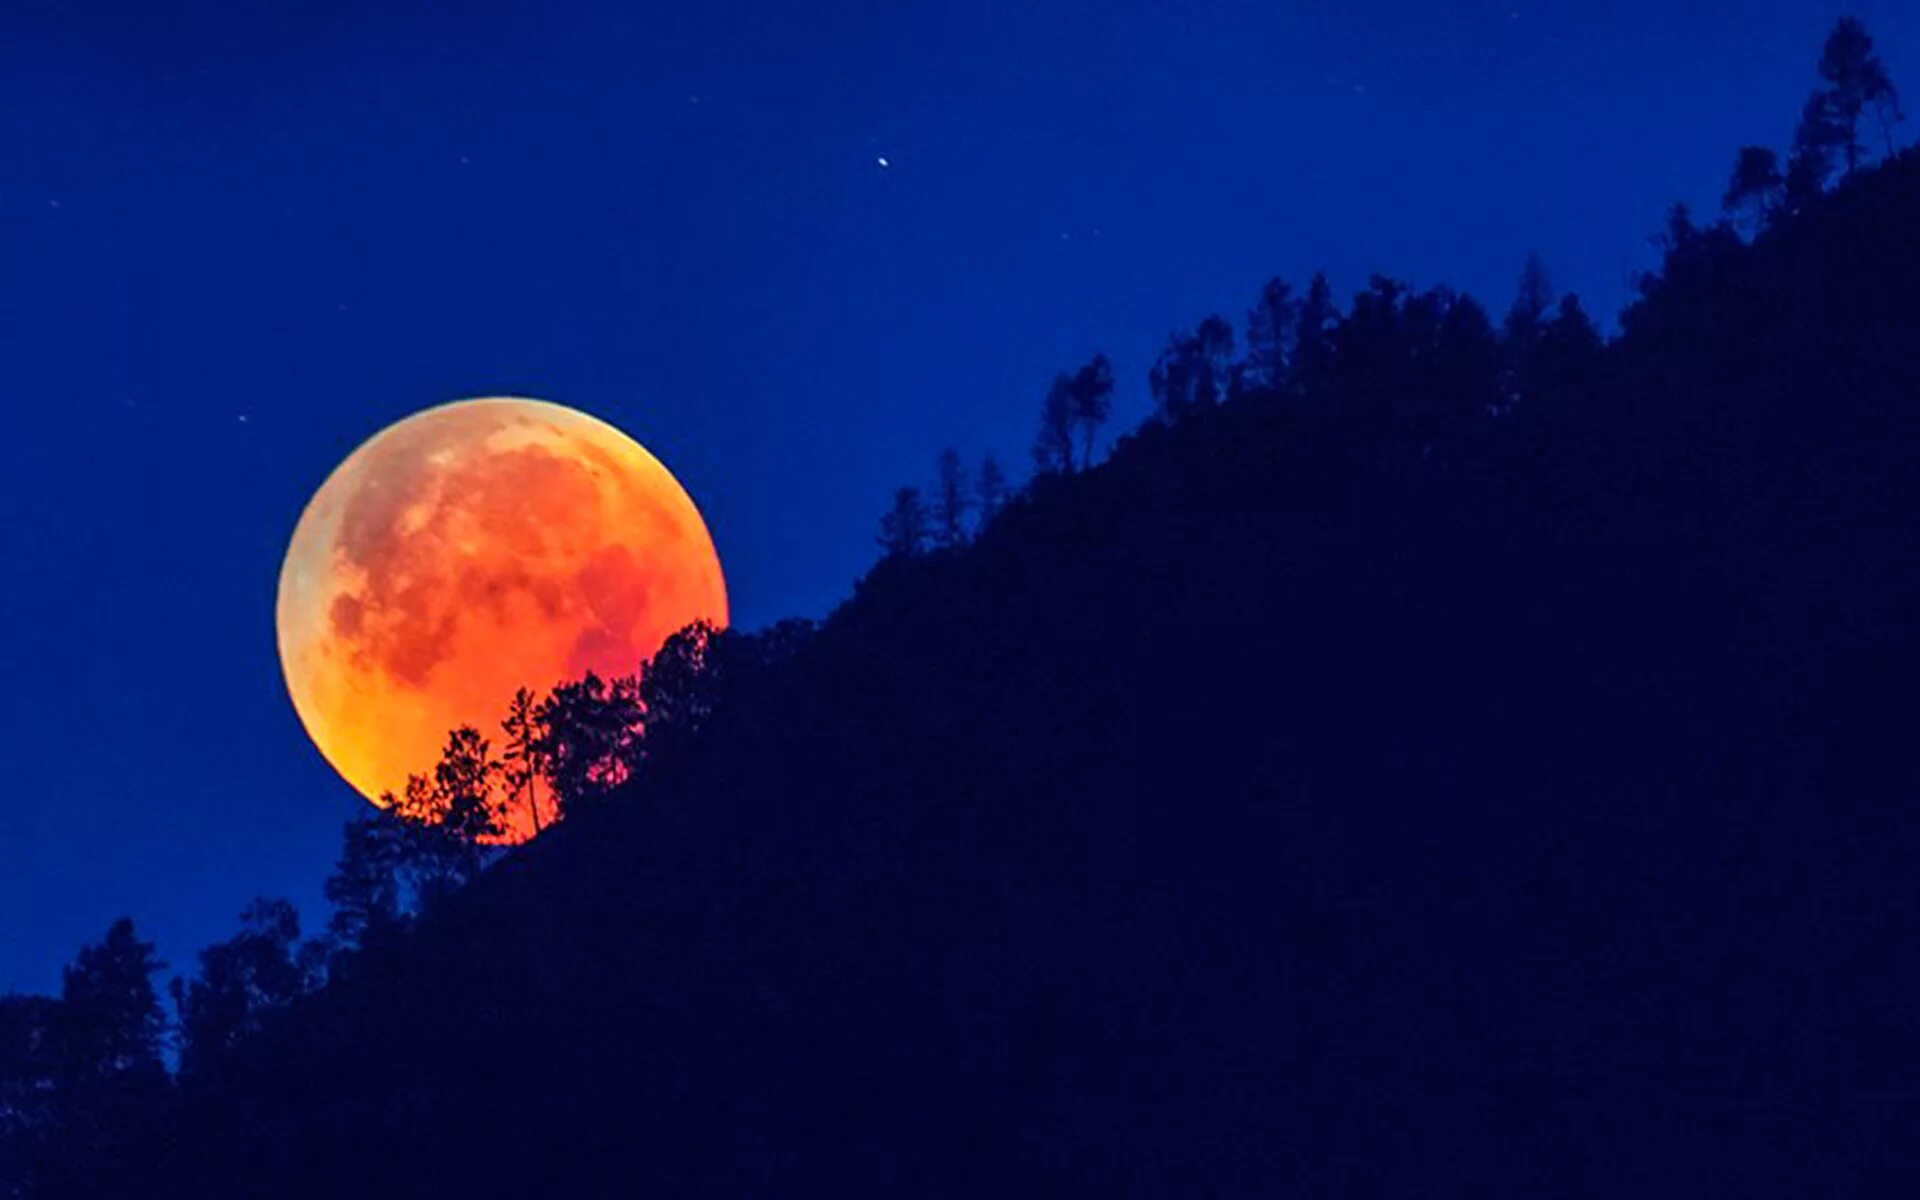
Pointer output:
1290, 805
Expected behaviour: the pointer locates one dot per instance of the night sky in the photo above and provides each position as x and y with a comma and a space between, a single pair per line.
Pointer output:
234, 246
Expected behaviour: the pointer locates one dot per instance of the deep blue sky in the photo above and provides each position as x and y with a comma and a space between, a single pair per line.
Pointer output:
232, 246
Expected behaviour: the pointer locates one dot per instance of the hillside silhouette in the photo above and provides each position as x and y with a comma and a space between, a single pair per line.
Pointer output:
1455, 757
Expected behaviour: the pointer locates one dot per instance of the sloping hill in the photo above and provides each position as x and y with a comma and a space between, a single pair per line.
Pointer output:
1281, 807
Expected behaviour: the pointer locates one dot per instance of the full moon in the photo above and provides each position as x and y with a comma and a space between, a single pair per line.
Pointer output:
470, 550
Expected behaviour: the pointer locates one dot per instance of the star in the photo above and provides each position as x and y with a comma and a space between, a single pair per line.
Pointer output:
882, 160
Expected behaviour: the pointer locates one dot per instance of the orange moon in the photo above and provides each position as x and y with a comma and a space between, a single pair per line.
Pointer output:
470, 550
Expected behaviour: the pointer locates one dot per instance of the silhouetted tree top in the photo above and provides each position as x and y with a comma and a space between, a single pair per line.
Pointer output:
466, 785
523, 763
1532, 301
990, 486
952, 499
1816, 145
1092, 399
591, 738
903, 530
111, 1022
365, 888
680, 684
1192, 373
1272, 326
1857, 82
1757, 189
242, 982
1053, 444
1827, 135
1311, 363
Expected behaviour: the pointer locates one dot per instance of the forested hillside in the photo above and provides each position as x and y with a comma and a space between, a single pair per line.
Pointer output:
1446, 755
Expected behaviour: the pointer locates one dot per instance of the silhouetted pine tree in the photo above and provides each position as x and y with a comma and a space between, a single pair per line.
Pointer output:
107, 1036
1374, 355
1533, 299
1757, 189
1311, 363
590, 738
242, 982
523, 766
1192, 373
1857, 81
1092, 395
1465, 373
365, 887
950, 501
444, 818
466, 780
111, 1024
1526, 320
1566, 357
1053, 444
1817, 141
679, 687
990, 486
1272, 326
903, 530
